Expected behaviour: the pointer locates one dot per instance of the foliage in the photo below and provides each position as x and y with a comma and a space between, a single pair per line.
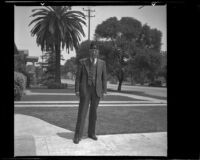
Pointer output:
20, 62
19, 85
49, 59
39, 72
57, 27
149, 38
125, 30
83, 50
156, 83
145, 65
51, 64
20, 66
55, 85
163, 72
70, 66
108, 29
17, 92
130, 28
133, 49
45, 79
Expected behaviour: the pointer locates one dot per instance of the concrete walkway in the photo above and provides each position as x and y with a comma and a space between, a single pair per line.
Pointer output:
37, 137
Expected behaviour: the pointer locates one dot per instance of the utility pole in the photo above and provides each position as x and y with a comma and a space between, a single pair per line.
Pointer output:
89, 16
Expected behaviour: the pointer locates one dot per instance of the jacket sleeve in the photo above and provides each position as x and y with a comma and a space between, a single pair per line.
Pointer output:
78, 77
104, 78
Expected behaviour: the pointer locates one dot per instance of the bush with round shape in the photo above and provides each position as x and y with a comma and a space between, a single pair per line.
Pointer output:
19, 85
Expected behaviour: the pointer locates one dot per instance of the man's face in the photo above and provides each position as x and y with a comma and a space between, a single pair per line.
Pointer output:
94, 53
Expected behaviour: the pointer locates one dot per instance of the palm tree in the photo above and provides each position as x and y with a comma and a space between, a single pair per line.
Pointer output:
56, 27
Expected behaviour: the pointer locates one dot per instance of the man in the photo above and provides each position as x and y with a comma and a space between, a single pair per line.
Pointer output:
90, 86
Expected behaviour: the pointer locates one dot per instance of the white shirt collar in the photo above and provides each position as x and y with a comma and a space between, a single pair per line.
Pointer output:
95, 60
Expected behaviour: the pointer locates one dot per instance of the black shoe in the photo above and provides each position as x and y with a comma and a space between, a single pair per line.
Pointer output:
93, 137
76, 140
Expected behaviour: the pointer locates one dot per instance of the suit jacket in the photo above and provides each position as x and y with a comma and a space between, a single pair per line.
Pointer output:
81, 81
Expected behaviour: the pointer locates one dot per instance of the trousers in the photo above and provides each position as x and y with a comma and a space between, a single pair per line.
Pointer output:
92, 99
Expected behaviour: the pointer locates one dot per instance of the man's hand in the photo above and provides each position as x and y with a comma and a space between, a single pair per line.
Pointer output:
77, 94
104, 95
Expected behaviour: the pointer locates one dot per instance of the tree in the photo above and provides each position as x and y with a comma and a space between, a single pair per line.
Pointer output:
148, 43
70, 66
39, 72
120, 33
50, 60
20, 65
108, 29
57, 27
83, 50
130, 28
149, 38
135, 48
163, 72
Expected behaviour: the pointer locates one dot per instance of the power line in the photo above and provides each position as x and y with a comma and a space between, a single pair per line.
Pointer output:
89, 16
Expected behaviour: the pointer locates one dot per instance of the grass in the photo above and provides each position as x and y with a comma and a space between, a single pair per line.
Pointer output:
71, 90
68, 90
110, 120
139, 93
71, 98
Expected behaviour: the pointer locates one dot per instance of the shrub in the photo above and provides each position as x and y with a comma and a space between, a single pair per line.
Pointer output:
19, 85
156, 83
17, 92
54, 85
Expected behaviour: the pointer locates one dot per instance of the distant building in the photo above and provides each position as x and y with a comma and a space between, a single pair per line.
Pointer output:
15, 49
23, 51
30, 68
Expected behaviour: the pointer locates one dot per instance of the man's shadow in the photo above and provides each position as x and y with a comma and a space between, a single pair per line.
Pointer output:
68, 135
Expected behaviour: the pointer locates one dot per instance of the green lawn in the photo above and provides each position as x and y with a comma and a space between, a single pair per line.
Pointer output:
139, 93
111, 120
71, 90
68, 90
71, 98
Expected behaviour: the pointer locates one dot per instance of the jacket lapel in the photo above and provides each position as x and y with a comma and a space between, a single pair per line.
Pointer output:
86, 64
98, 66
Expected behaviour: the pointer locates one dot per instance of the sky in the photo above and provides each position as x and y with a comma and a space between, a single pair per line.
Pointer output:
154, 16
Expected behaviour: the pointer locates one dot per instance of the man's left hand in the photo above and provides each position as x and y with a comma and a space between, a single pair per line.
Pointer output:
104, 94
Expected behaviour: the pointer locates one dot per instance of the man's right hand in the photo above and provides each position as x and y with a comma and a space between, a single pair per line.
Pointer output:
77, 94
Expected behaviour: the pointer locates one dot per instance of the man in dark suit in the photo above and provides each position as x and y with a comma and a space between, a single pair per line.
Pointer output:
90, 86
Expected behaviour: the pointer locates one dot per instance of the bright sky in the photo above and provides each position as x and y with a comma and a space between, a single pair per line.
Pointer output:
154, 16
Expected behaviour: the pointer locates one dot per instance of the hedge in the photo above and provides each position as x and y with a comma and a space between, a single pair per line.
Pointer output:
54, 85
51, 84
19, 85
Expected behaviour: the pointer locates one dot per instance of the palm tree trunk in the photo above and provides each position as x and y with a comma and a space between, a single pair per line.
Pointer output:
57, 69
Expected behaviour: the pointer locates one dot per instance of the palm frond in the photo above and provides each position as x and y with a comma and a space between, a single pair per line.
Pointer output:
39, 13
36, 19
58, 25
74, 13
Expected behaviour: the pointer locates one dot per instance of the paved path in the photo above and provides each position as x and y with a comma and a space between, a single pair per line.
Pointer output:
51, 140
